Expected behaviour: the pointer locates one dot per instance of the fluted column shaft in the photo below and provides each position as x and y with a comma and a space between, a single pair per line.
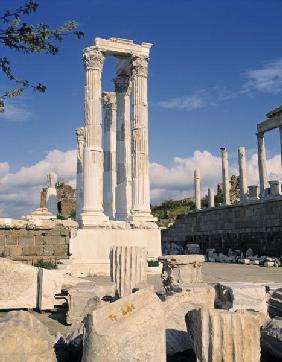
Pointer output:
197, 187
225, 177
262, 163
109, 104
210, 198
92, 213
242, 173
79, 171
140, 161
124, 154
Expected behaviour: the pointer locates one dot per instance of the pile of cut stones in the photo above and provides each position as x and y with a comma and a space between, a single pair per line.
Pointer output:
126, 320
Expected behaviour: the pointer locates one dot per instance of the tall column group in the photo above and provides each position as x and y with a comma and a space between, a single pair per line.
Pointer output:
116, 173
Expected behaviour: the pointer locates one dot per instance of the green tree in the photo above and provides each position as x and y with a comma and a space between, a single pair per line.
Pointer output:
26, 38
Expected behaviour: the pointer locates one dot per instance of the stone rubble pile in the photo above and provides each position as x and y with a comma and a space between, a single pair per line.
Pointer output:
237, 256
271, 337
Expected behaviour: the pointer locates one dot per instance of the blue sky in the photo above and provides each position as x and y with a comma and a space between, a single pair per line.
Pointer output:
215, 70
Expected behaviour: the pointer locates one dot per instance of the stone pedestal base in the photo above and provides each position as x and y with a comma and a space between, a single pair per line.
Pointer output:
90, 248
90, 219
142, 217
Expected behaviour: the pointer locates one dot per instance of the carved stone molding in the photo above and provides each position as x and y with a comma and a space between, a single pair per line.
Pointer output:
140, 66
121, 83
80, 133
93, 58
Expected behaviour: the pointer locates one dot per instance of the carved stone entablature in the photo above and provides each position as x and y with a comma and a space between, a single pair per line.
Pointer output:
122, 83
140, 66
109, 100
93, 58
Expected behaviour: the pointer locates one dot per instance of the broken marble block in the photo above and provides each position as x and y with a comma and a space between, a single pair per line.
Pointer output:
129, 330
193, 249
18, 285
275, 303
24, 338
271, 337
179, 270
82, 299
221, 335
49, 284
128, 268
238, 295
176, 307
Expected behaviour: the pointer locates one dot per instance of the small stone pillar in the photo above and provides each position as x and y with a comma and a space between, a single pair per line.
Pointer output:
210, 198
123, 153
197, 187
129, 330
79, 171
275, 187
109, 141
179, 270
262, 164
225, 177
220, 335
242, 173
92, 214
128, 268
51, 196
253, 192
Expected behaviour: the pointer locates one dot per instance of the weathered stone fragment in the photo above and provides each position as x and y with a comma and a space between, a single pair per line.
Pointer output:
176, 307
179, 270
18, 285
271, 337
128, 268
128, 330
49, 284
238, 295
24, 338
84, 298
220, 335
275, 303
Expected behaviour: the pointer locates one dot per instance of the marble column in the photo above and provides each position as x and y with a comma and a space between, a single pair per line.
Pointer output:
262, 164
123, 155
210, 198
197, 188
92, 214
51, 195
79, 171
140, 158
109, 142
225, 177
242, 173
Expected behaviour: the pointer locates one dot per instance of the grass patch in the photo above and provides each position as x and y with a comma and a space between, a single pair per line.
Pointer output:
46, 264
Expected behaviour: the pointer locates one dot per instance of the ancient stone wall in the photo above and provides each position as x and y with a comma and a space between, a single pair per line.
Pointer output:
256, 225
33, 244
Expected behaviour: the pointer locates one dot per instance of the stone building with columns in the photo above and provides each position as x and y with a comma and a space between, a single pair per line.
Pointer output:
113, 188
255, 221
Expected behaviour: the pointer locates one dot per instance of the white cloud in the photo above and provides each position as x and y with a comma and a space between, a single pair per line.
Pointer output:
16, 113
190, 102
267, 79
176, 181
20, 191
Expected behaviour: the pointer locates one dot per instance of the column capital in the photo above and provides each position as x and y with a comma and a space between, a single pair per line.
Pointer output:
140, 66
121, 83
260, 134
109, 100
93, 58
